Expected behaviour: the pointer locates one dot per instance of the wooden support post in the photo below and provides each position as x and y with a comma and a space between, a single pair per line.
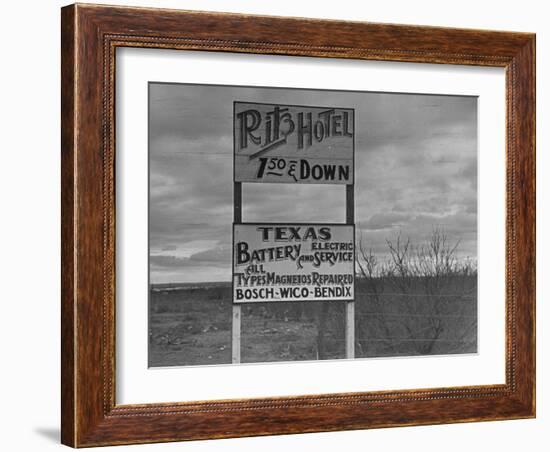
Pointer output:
350, 329
350, 305
237, 202
236, 316
350, 204
236, 334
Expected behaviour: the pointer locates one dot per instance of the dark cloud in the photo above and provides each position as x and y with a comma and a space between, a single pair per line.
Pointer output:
388, 220
213, 255
167, 261
416, 169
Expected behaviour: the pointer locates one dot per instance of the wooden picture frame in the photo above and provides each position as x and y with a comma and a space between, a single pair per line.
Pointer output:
90, 36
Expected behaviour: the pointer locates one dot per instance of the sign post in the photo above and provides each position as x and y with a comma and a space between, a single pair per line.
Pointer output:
350, 305
236, 311
275, 262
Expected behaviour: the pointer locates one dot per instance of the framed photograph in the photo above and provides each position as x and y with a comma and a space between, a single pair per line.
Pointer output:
281, 225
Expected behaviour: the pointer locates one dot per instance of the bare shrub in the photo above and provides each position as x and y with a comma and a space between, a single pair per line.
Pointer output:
421, 300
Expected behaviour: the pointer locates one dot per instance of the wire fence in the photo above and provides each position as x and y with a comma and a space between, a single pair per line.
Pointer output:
427, 316
419, 295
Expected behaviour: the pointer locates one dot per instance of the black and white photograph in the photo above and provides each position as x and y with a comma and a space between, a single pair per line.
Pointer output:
235, 225
302, 225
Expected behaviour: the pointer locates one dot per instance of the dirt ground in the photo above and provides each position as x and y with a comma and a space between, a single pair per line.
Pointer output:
191, 325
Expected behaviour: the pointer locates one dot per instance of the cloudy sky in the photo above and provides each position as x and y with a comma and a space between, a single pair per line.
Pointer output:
416, 169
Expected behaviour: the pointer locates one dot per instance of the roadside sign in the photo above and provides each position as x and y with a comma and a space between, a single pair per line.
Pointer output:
293, 262
293, 143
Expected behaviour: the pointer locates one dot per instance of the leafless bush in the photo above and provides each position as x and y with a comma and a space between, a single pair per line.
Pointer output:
417, 299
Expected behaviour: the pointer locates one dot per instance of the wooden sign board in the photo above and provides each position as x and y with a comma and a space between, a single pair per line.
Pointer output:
293, 143
293, 262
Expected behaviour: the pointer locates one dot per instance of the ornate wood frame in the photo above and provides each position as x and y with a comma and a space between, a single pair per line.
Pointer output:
90, 35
